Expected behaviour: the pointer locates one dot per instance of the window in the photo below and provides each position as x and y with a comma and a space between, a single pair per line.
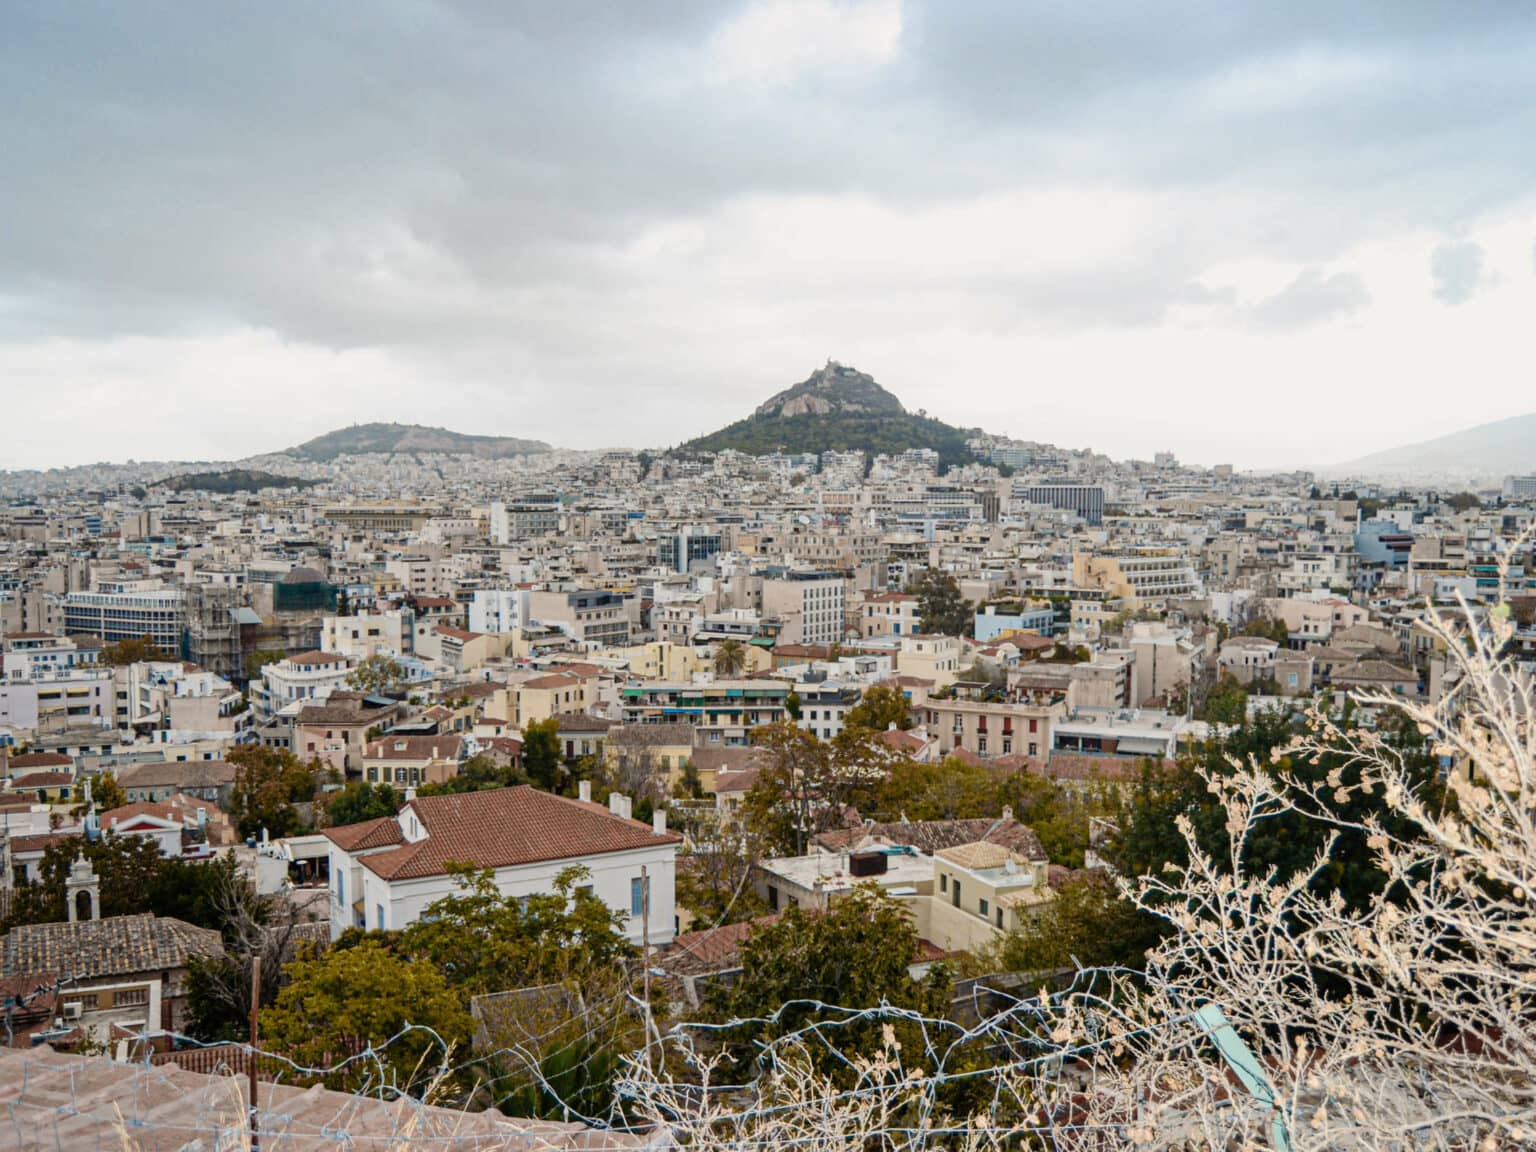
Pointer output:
955, 893
999, 915
943, 882
341, 887
637, 896
982, 907
378, 912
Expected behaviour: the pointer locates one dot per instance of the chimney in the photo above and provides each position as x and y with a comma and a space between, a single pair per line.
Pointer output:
659, 822
616, 803
584, 790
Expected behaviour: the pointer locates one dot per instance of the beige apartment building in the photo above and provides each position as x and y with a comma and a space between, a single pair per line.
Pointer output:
1142, 578
991, 728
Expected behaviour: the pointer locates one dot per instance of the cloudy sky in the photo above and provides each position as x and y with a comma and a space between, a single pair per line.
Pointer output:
1259, 233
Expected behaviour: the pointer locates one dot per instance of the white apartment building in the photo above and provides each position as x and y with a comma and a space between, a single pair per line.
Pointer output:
359, 637
498, 609
66, 698
127, 610
309, 678
29, 653
818, 598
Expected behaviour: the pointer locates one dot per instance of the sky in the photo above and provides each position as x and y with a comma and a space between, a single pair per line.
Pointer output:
1264, 234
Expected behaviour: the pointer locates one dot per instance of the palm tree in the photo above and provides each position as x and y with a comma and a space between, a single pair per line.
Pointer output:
730, 658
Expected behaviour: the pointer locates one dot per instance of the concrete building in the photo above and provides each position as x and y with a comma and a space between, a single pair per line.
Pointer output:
1085, 500
593, 617
307, 678
817, 599
498, 609
1141, 578
128, 610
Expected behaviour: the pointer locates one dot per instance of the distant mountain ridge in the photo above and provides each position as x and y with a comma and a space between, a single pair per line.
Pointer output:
366, 439
836, 409
1500, 448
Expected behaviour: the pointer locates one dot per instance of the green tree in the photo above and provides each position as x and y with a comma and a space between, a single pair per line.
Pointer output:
341, 1002
1088, 923
1227, 702
541, 754
792, 704
881, 706
378, 674
941, 606
854, 955
1463, 501
1269, 628
106, 792
133, 877
488, 942
259, 659
268, 783
730, 659
952, 790
132, 651
559, 1048
360, 801
690, 786
1287, 841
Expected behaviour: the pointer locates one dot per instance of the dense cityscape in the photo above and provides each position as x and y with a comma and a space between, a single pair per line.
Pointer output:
671, 717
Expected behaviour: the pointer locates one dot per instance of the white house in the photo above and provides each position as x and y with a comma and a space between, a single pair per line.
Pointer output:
309, 677
386, 872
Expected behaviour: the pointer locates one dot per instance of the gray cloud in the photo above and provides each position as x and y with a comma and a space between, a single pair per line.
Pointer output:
1457, 269
465, 185
1312, 298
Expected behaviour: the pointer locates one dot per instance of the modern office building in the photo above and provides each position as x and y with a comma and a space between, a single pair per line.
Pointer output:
1086, 500
128, 610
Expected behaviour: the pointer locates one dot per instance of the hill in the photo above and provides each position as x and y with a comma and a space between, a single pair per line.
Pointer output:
1501, 448
234, 480
364, 439
837, 409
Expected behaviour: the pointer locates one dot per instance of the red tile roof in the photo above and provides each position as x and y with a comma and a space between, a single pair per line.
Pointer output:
39, 760
415, 748
710, 949
43, 780
379, 833
507, 827
38, 843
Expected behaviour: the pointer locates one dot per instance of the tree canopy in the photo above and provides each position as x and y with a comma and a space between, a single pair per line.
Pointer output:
359, 801
269, 782
338, 1003
132, 651
378, 674
881, 706
941, 606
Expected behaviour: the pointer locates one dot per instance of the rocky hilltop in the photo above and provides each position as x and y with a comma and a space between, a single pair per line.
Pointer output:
835, 388
836, 409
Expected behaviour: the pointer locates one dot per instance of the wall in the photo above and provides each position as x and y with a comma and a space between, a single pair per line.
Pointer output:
405, 901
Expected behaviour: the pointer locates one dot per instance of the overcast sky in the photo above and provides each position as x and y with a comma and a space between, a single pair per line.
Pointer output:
1277, 233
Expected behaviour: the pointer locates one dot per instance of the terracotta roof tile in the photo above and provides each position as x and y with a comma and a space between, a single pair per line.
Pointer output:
506, 827
382, 832
118, 945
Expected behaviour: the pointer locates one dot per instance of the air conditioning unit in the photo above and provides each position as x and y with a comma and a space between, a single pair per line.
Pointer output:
73, 1010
